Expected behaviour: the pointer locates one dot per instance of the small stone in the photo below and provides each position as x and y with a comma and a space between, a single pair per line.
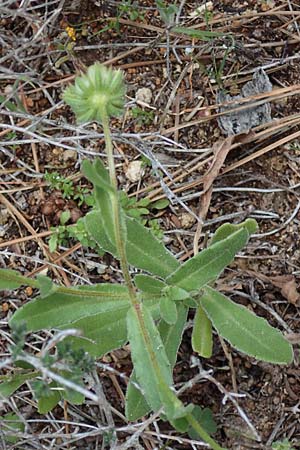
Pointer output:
69, 155
3, 216
186, 220
134, 171
143, 95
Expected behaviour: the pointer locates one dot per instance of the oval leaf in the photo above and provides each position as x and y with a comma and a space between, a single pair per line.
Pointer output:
168, 310
153, 370
171, 335
244, 330
202, 341
207, 265
69, 304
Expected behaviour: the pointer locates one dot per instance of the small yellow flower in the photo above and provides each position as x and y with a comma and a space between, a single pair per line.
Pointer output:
71, 33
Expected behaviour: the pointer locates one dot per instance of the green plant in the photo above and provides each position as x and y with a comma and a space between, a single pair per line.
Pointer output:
131, 9
149, 310
142, 116
68, 190
282, 445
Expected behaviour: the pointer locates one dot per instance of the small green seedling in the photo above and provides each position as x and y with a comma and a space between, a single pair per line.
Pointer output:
150, 309
142, 116
282, 445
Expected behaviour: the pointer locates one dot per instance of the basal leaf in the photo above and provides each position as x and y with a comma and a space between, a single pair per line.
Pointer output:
46, 286
9, 422
11, 279
202, 342
97, 174
153, 370
171, 335
207, 265
143, 250
101, 333
205, 418
70, 304
227, 229
244, 330
146, 252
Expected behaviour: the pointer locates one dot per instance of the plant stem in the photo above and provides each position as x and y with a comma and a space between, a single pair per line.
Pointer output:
120, 241
120, 245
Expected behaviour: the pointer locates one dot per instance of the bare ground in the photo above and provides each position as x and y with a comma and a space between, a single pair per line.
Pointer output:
255, 404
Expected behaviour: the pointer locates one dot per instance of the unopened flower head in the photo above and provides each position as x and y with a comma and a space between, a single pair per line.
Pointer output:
98, 93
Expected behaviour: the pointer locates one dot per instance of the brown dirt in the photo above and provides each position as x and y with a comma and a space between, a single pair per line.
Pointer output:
265, 187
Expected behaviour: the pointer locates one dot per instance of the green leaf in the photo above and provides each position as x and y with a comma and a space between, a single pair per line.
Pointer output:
206, 420
101, 333
149, 284
176, 293
136, 405
11, 279
46, 286
168, 309
11, 422
47, 402
70, 304
244, 330
207, 265
171, 335
102, 217
202, 342
10, 383
96, 227
97, 174
72, 396
227, 229
146, 252
160, 204
53, 242
153, 369
64, 217
143, 250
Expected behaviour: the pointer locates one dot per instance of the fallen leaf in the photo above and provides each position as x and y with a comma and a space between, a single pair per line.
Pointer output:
288, 287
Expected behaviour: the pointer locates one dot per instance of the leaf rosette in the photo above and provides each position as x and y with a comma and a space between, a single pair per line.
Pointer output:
98, 93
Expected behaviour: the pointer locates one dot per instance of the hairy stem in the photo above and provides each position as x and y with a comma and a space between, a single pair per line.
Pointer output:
120, 241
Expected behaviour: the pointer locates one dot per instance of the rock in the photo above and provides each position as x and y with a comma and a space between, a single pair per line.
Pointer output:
69, 155
3, 216
134, 171
242, 121
143, 95
186, 220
